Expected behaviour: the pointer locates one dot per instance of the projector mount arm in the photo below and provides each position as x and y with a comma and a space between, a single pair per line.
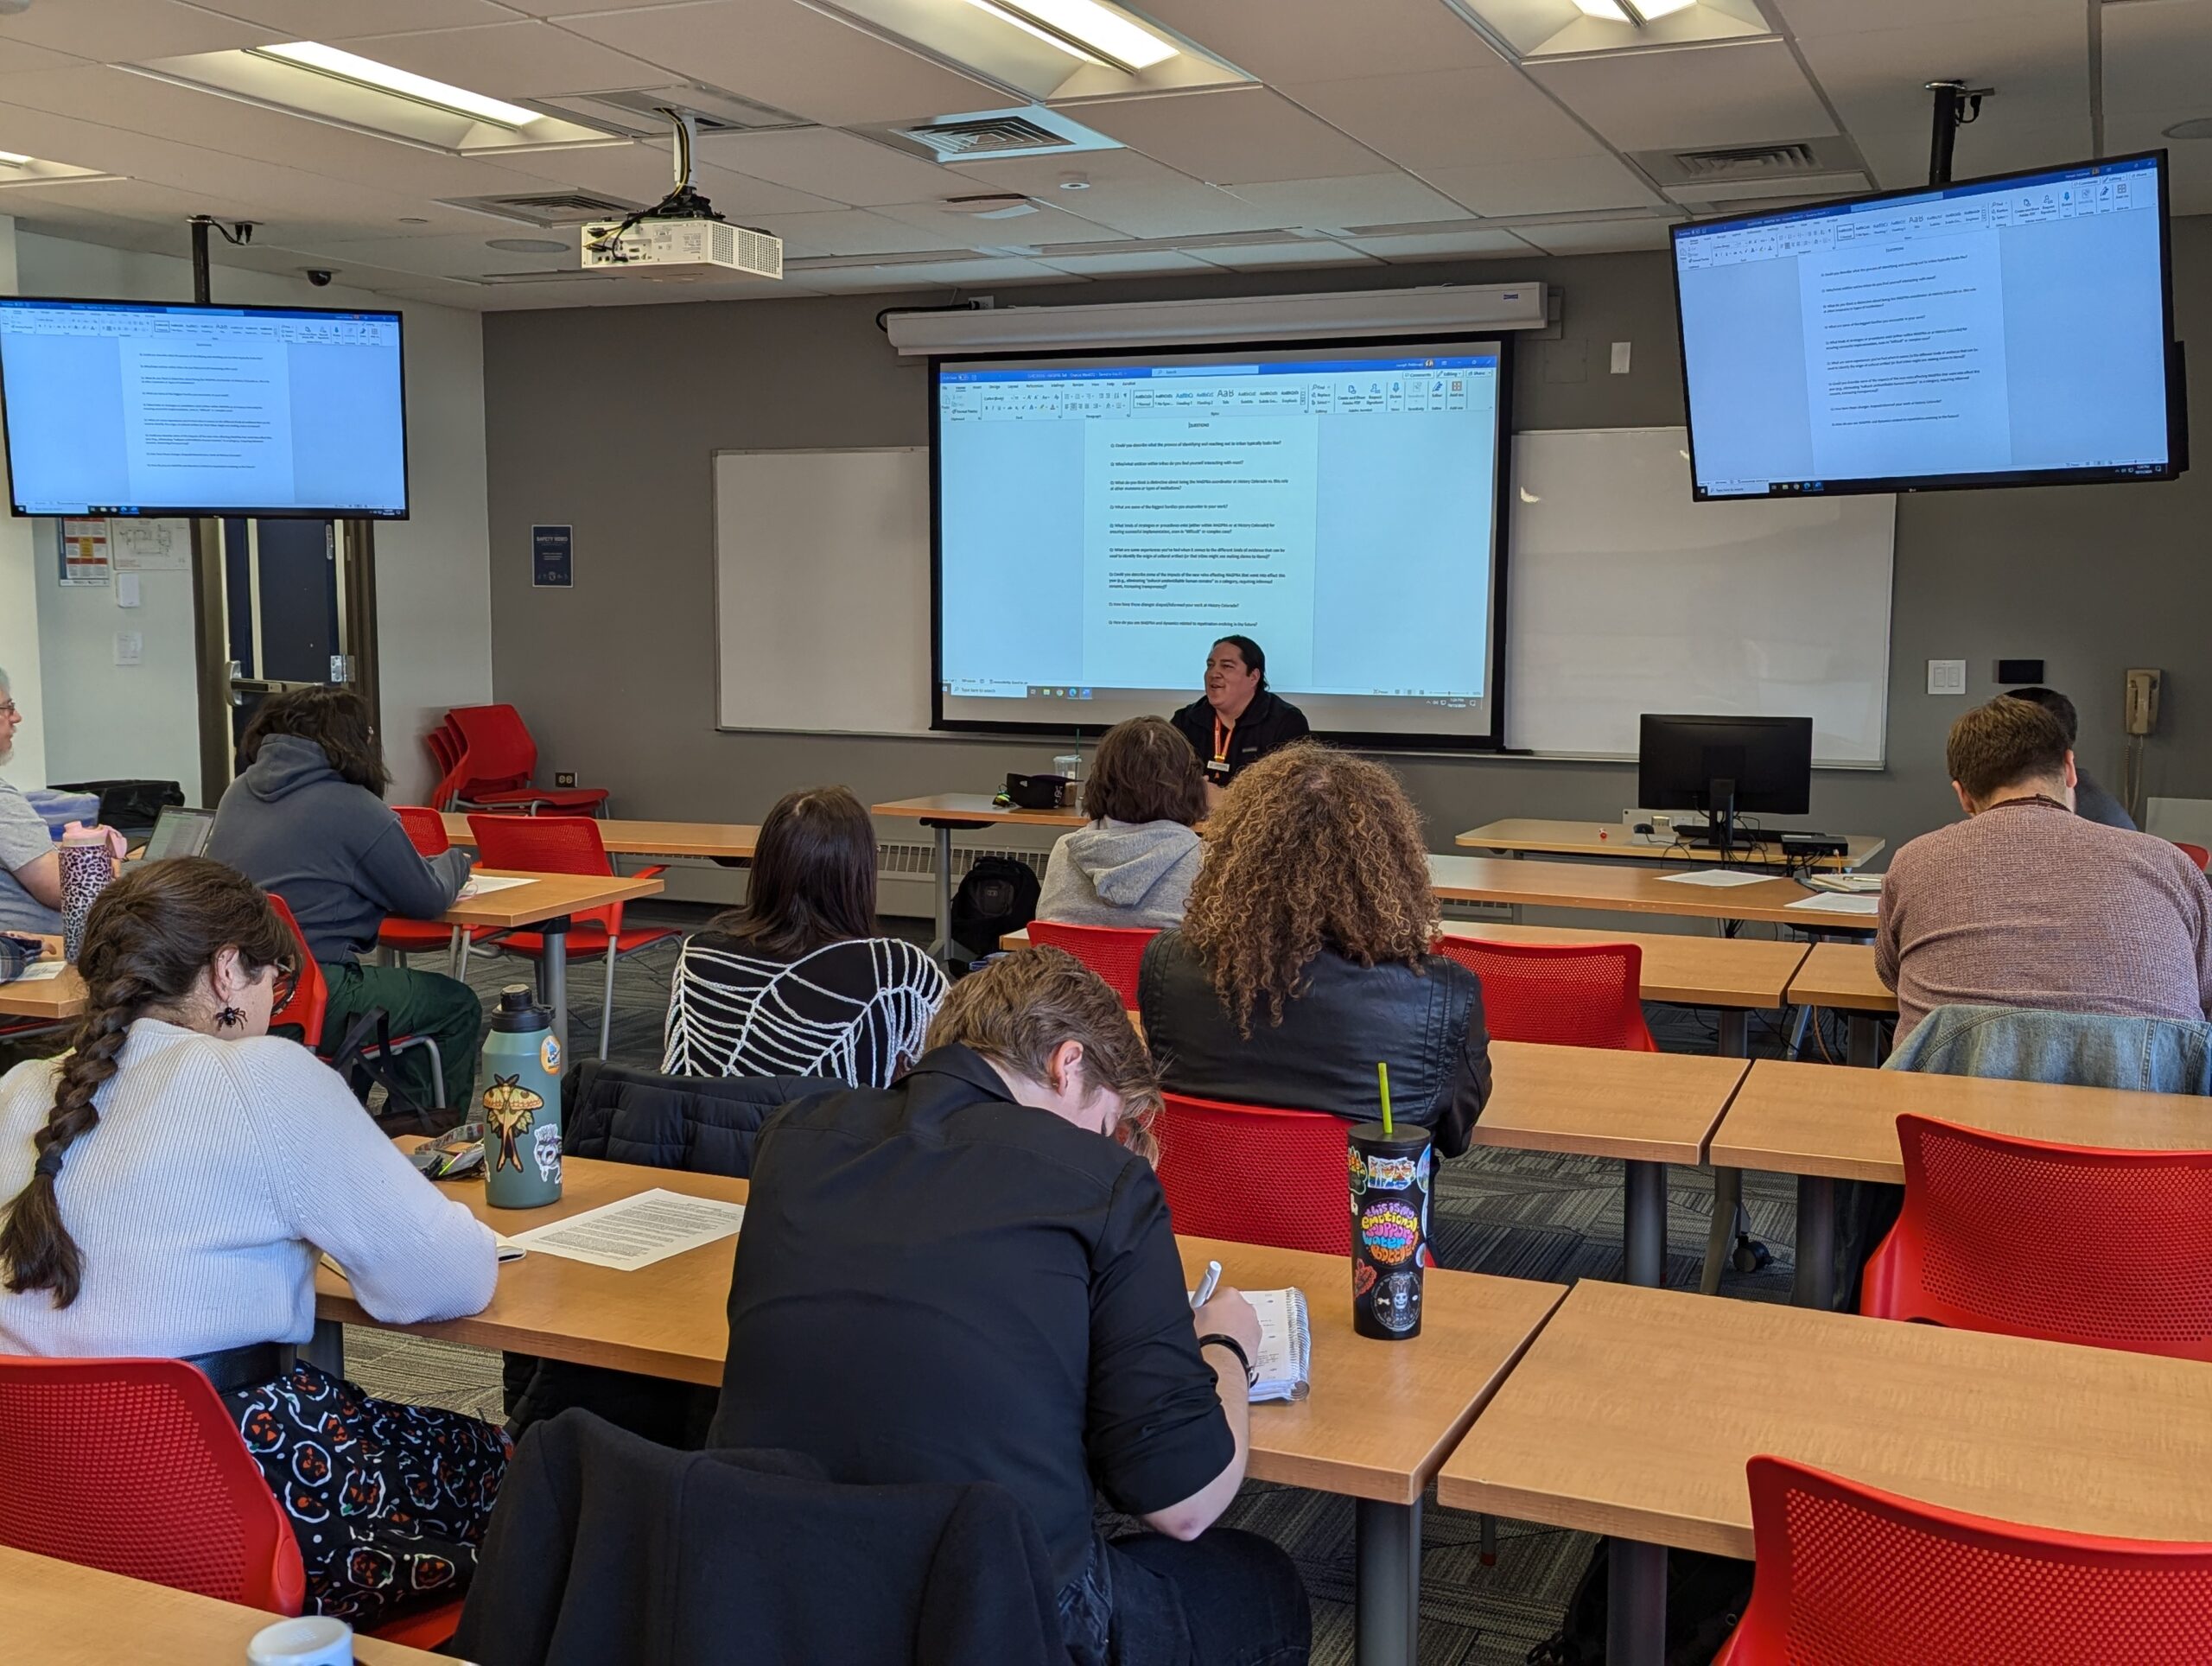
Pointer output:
683, 202
1956, 104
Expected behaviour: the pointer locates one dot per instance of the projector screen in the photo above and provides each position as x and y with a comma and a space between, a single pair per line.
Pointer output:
1102, 521
130, 408
2014, 331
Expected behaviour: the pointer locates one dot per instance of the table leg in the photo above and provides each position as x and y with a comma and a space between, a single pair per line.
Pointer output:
326, 1349
1864, 1041
1389, 1581
1644, 1222
1636, 1603
1735, 1033
942, 948
1815, 1282
555, 965
1720, 1238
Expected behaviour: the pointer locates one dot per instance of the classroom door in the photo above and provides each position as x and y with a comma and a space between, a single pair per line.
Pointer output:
294, 612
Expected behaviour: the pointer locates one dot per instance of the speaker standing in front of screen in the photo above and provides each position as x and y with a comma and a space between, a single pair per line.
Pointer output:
1237, 721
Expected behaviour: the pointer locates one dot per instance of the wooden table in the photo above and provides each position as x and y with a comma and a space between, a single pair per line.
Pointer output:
1631, 891
1824, 1125
1522, 835
55, 999
945, 812
1612, 1423
1645, 1108
60, 1614
1841, 975
1378, 1425
546, 905
730, 843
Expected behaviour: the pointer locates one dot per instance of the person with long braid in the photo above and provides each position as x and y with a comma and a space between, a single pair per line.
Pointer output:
171, 1179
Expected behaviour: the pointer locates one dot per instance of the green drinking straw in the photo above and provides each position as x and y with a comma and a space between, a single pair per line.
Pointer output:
1382, 1074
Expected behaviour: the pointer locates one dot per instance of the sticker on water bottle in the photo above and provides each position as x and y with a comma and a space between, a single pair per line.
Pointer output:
546, 1145
548, 1054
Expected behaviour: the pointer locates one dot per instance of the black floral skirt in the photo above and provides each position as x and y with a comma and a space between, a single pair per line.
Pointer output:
389, 1501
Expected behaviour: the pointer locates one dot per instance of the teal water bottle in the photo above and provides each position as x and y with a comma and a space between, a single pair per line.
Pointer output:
522, 1103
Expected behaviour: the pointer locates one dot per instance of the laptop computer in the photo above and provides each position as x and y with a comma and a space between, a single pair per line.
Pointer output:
179, 833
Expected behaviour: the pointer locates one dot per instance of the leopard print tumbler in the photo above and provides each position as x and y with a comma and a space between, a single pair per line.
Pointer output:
87, 870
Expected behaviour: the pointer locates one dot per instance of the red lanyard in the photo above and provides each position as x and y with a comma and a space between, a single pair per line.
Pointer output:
1221, 734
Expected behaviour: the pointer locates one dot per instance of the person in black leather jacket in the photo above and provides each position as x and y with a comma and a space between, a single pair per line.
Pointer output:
1303, 959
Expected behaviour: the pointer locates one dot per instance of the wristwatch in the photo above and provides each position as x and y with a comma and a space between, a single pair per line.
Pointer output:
1216, 1340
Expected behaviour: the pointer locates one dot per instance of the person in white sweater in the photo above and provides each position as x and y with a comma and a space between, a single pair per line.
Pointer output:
171, 1180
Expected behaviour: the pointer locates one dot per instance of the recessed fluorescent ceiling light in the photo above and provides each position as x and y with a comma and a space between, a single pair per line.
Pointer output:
1044, 35
14, 159
366, 72
1077, 23
1608, 9
1631, 11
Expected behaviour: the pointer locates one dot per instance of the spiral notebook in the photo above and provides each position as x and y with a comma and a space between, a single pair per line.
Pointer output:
1284, 1363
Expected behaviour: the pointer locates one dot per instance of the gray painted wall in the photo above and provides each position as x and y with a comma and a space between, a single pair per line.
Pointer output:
606, 417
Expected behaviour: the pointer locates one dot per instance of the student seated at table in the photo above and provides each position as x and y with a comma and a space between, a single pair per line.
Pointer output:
796, 983
2090, 800
30, 870
307, 821
971, 1277
171, 1179
1303, 959
1134, 864
2026, 903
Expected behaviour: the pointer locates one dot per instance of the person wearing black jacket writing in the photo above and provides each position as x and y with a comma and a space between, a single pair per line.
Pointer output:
1237, 721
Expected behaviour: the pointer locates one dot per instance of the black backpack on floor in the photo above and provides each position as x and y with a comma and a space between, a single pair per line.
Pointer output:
999, 895
1706, 1596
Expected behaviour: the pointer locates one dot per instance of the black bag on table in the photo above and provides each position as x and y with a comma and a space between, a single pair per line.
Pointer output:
999, 895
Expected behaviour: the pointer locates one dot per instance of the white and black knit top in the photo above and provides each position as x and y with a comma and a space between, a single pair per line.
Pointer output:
855, 1011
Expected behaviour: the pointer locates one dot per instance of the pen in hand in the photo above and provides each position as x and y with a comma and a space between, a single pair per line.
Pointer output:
1204, 1294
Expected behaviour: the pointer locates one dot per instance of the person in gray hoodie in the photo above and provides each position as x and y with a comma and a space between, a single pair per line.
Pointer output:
306, 821
1134, 864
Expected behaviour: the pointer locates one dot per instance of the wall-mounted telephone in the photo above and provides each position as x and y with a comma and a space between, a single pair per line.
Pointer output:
2141, 707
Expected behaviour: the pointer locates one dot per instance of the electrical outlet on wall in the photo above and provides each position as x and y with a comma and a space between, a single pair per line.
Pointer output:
564, 778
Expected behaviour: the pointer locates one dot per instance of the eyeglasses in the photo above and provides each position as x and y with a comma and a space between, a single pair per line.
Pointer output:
10, 708
286, 986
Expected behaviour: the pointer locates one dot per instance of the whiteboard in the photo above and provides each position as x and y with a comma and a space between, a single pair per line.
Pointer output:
822, 590
1624, 596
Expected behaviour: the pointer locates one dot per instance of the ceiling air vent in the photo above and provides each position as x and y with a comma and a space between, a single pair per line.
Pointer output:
1737, 161
1784, 168
994, 135
549, 207
637, 110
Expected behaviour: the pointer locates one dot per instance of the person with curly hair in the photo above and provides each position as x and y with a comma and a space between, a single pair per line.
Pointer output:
1303, 959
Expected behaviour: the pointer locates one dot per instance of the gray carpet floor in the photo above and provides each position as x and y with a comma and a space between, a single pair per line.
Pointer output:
1516, 1214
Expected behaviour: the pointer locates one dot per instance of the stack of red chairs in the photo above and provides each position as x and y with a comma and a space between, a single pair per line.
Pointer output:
486, 758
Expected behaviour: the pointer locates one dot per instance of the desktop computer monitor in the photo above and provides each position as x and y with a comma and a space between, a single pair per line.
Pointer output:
1726, 766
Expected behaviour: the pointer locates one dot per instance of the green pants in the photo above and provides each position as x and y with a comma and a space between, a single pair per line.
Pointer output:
419, 1003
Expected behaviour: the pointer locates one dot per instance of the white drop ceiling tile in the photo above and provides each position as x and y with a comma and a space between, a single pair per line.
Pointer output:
1742, 92
1127, 192
1140, 264
1442, 245
858, 231
640, 172
967, 274
1254, 256
1441, 117
957, 230
340, 20
129, 30
2037, 62
1237, 136
1807, 18
789, 56
1284, 40
1597, 237
2158, 56
1567, 186
1364, 200
826, 163
524, 59
20, 57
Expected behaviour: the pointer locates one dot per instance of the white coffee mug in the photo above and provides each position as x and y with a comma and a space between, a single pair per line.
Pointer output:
312, 1641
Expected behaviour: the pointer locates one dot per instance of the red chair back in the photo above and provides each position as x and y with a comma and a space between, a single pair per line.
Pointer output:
548, 844
2196, 853
134, 1466
1255, 1175
310, 997
498, 753
1849, 1574
426, 828
1115, 952
1570, 995
2070, 1243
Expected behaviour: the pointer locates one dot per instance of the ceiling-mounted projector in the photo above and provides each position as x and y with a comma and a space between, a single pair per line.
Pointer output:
681, 236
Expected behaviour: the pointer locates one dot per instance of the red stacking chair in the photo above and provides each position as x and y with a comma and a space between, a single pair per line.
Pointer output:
134, 1467
1255, 1175
2070, 1243
566, 844
309, 1003
426, 831
1570, 995
1114, 952
498, 759
2196, 853
1849, 1574
444, 745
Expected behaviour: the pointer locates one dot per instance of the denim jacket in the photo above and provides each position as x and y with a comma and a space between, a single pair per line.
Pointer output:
2021, 1043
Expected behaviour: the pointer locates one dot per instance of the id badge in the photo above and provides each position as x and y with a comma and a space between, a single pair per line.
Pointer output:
1217, 771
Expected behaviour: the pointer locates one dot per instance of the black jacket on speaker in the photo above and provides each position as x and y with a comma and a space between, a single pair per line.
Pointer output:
1426, 1025
607, 1550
